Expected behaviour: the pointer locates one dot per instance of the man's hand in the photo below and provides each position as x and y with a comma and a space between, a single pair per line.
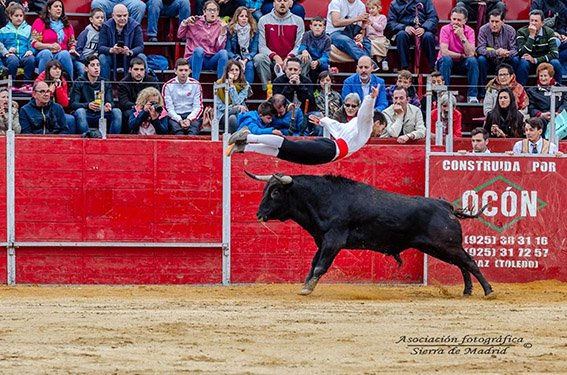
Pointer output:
459, 31
362, 17
410, 30
277, 132
107, 107
315, 120
94, 106
403, 139
305, 56
358, 38
419, 31
532, 30
279, 61
374, 92
528, 58
185, 123
28, 53
398, 109
546, 115
294, 79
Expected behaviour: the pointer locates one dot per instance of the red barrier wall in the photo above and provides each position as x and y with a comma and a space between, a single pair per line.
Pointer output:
167, 189
170, 190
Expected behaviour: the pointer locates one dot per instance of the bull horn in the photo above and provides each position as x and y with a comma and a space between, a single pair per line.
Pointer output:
284, 179
258, 178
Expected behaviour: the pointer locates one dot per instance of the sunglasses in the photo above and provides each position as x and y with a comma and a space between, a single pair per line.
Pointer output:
351, 105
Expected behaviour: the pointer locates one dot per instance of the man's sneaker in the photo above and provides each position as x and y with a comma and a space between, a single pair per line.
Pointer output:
239, 136
152, 39
472, 100
235, 147
385, 65
375, 66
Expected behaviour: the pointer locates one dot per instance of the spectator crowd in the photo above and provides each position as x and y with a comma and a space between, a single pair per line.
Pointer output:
265, 43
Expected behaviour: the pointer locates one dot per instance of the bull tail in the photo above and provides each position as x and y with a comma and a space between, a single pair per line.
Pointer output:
465, 213
398, 259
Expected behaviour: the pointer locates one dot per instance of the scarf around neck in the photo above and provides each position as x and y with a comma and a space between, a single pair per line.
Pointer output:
243, 34
58, 27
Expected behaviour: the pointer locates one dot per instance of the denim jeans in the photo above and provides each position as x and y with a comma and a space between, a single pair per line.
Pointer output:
200, 61
136, 8
63, 56
403, 41
180, 8
523, 68
28, 63
468, 66
70, 120
89, 119
296, 9
249, 71
348, 45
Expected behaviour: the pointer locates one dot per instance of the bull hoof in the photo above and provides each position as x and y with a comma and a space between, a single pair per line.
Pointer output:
305, 292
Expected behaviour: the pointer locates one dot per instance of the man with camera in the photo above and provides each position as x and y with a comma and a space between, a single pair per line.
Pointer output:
120, 40
130, 86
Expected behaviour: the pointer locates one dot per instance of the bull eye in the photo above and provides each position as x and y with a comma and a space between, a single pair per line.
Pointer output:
275, 193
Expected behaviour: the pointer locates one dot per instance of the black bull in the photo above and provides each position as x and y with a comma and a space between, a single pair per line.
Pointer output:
344, 214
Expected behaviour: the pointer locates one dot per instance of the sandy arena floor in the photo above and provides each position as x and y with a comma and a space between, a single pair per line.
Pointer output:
269, 329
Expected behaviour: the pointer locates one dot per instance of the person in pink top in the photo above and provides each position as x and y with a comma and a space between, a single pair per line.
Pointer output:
375, 26
205, 40
457, 52
53, 36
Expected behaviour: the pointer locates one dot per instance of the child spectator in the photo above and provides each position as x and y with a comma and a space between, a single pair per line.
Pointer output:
87, 43
404, 80
375, 26
16, 37
315, 49
258, 122
334, 98
148, 116
183, 101
242, 41
436, 80
238, 92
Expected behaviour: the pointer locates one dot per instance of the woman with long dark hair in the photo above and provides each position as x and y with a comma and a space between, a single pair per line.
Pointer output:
53, 36
505, 120
238, 92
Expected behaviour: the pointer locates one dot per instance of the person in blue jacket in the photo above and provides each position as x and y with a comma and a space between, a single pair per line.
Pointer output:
242, 41
363, 80
260, 121
41, 115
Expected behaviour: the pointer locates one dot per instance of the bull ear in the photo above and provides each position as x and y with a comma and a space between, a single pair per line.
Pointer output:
283, 179
265, 178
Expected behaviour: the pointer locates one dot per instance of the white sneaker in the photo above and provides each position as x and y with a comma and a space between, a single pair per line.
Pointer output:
385, 65
472, 99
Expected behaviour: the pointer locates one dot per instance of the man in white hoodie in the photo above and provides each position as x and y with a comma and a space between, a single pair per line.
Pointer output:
183, 101
347, 139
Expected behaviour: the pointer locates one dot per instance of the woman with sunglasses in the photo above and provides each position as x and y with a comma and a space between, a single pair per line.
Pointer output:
347, 138
349, 109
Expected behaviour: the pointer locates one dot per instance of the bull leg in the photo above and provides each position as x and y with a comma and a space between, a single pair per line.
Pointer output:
468, 281
467, 264
322, 260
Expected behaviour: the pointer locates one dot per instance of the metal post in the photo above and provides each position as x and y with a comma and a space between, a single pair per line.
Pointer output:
449, 142
226, 213
102, 120
551, 125
326, 133
226, 111
10, 194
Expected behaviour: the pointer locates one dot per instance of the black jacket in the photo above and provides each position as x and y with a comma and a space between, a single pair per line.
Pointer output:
128, 90
83, 92
304, 91
540, 102
43, 120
